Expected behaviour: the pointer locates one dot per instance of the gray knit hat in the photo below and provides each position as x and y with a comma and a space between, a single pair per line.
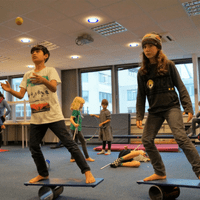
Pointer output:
152, 38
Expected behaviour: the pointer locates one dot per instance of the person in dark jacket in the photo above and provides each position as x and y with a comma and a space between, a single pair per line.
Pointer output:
157, 79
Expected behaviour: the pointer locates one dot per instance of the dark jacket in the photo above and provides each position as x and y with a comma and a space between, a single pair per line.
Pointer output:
160, 91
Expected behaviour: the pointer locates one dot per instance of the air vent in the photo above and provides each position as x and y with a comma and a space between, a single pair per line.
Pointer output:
109, 28
4, 59
167, 37
50, 46
192, 7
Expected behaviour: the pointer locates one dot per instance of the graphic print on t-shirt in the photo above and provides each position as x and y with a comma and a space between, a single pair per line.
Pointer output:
38, 96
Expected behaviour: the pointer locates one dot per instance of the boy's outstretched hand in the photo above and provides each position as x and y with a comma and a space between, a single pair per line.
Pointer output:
6, 86
190, 116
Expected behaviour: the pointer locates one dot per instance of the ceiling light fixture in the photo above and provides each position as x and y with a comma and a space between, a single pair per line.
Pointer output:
93, 20
75, 57
192, 7
134, 44
30, 66
25, 40
109, 28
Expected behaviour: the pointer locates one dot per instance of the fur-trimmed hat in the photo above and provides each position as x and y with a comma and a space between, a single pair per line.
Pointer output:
152, 38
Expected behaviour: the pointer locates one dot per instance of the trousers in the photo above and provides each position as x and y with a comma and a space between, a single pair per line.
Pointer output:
37, 132
175, 120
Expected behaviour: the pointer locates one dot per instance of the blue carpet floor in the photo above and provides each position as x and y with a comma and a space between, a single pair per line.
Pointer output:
17, 167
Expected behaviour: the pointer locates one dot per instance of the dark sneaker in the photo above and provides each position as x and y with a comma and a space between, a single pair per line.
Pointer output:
116, 163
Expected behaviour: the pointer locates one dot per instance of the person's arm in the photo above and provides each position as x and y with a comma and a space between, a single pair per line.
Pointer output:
102, 123
51, 85
7, 107
93, 115
198, 114
72, 121
141, 98
7, 88
133, 154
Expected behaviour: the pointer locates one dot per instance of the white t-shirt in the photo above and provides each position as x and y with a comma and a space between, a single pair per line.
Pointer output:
44, 104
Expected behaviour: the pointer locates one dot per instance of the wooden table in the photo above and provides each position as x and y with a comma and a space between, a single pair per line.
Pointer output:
24, 130
24, 125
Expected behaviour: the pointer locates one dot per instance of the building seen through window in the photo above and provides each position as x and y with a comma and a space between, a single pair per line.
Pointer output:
186, 74
20, 107
97, 88
1, 89
127, 84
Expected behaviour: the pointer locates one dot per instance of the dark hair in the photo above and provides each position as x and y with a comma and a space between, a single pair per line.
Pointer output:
104, 102
1, 95
41, 47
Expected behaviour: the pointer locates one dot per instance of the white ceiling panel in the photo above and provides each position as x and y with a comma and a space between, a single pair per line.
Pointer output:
121, 9
102, 3
152, 5
71, 8
7, 33
67, 26
168, 13
28, 25
45, 16
60, 22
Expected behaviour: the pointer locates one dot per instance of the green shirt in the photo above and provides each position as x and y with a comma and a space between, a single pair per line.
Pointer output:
77, 120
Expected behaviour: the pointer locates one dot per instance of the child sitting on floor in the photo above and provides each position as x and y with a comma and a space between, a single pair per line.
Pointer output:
128, 158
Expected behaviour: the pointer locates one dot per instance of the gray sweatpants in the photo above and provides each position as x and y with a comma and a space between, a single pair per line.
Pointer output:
175, 121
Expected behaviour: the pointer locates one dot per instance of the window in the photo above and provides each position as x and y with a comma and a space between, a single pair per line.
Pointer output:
1, 89
20, 107
85, 95
131, 109
104, 78
186, 74
84, 77
97, 88
127, 86
103, 95
131, 95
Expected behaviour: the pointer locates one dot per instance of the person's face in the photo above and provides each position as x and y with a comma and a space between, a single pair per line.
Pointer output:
104, 106
81, 105
150, 51
38, 56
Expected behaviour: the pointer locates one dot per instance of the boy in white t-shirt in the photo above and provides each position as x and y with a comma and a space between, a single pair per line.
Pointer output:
41, 85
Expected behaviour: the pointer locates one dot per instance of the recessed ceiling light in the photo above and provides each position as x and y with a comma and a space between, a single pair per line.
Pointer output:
25, 40
30, 66
93, 20
75, 57
134, 44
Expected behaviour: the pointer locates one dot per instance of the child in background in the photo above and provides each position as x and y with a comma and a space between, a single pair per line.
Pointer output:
105, 133
76, 121
130, 158
3, 105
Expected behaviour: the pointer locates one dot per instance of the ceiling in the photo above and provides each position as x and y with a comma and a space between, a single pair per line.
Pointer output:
61, 21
